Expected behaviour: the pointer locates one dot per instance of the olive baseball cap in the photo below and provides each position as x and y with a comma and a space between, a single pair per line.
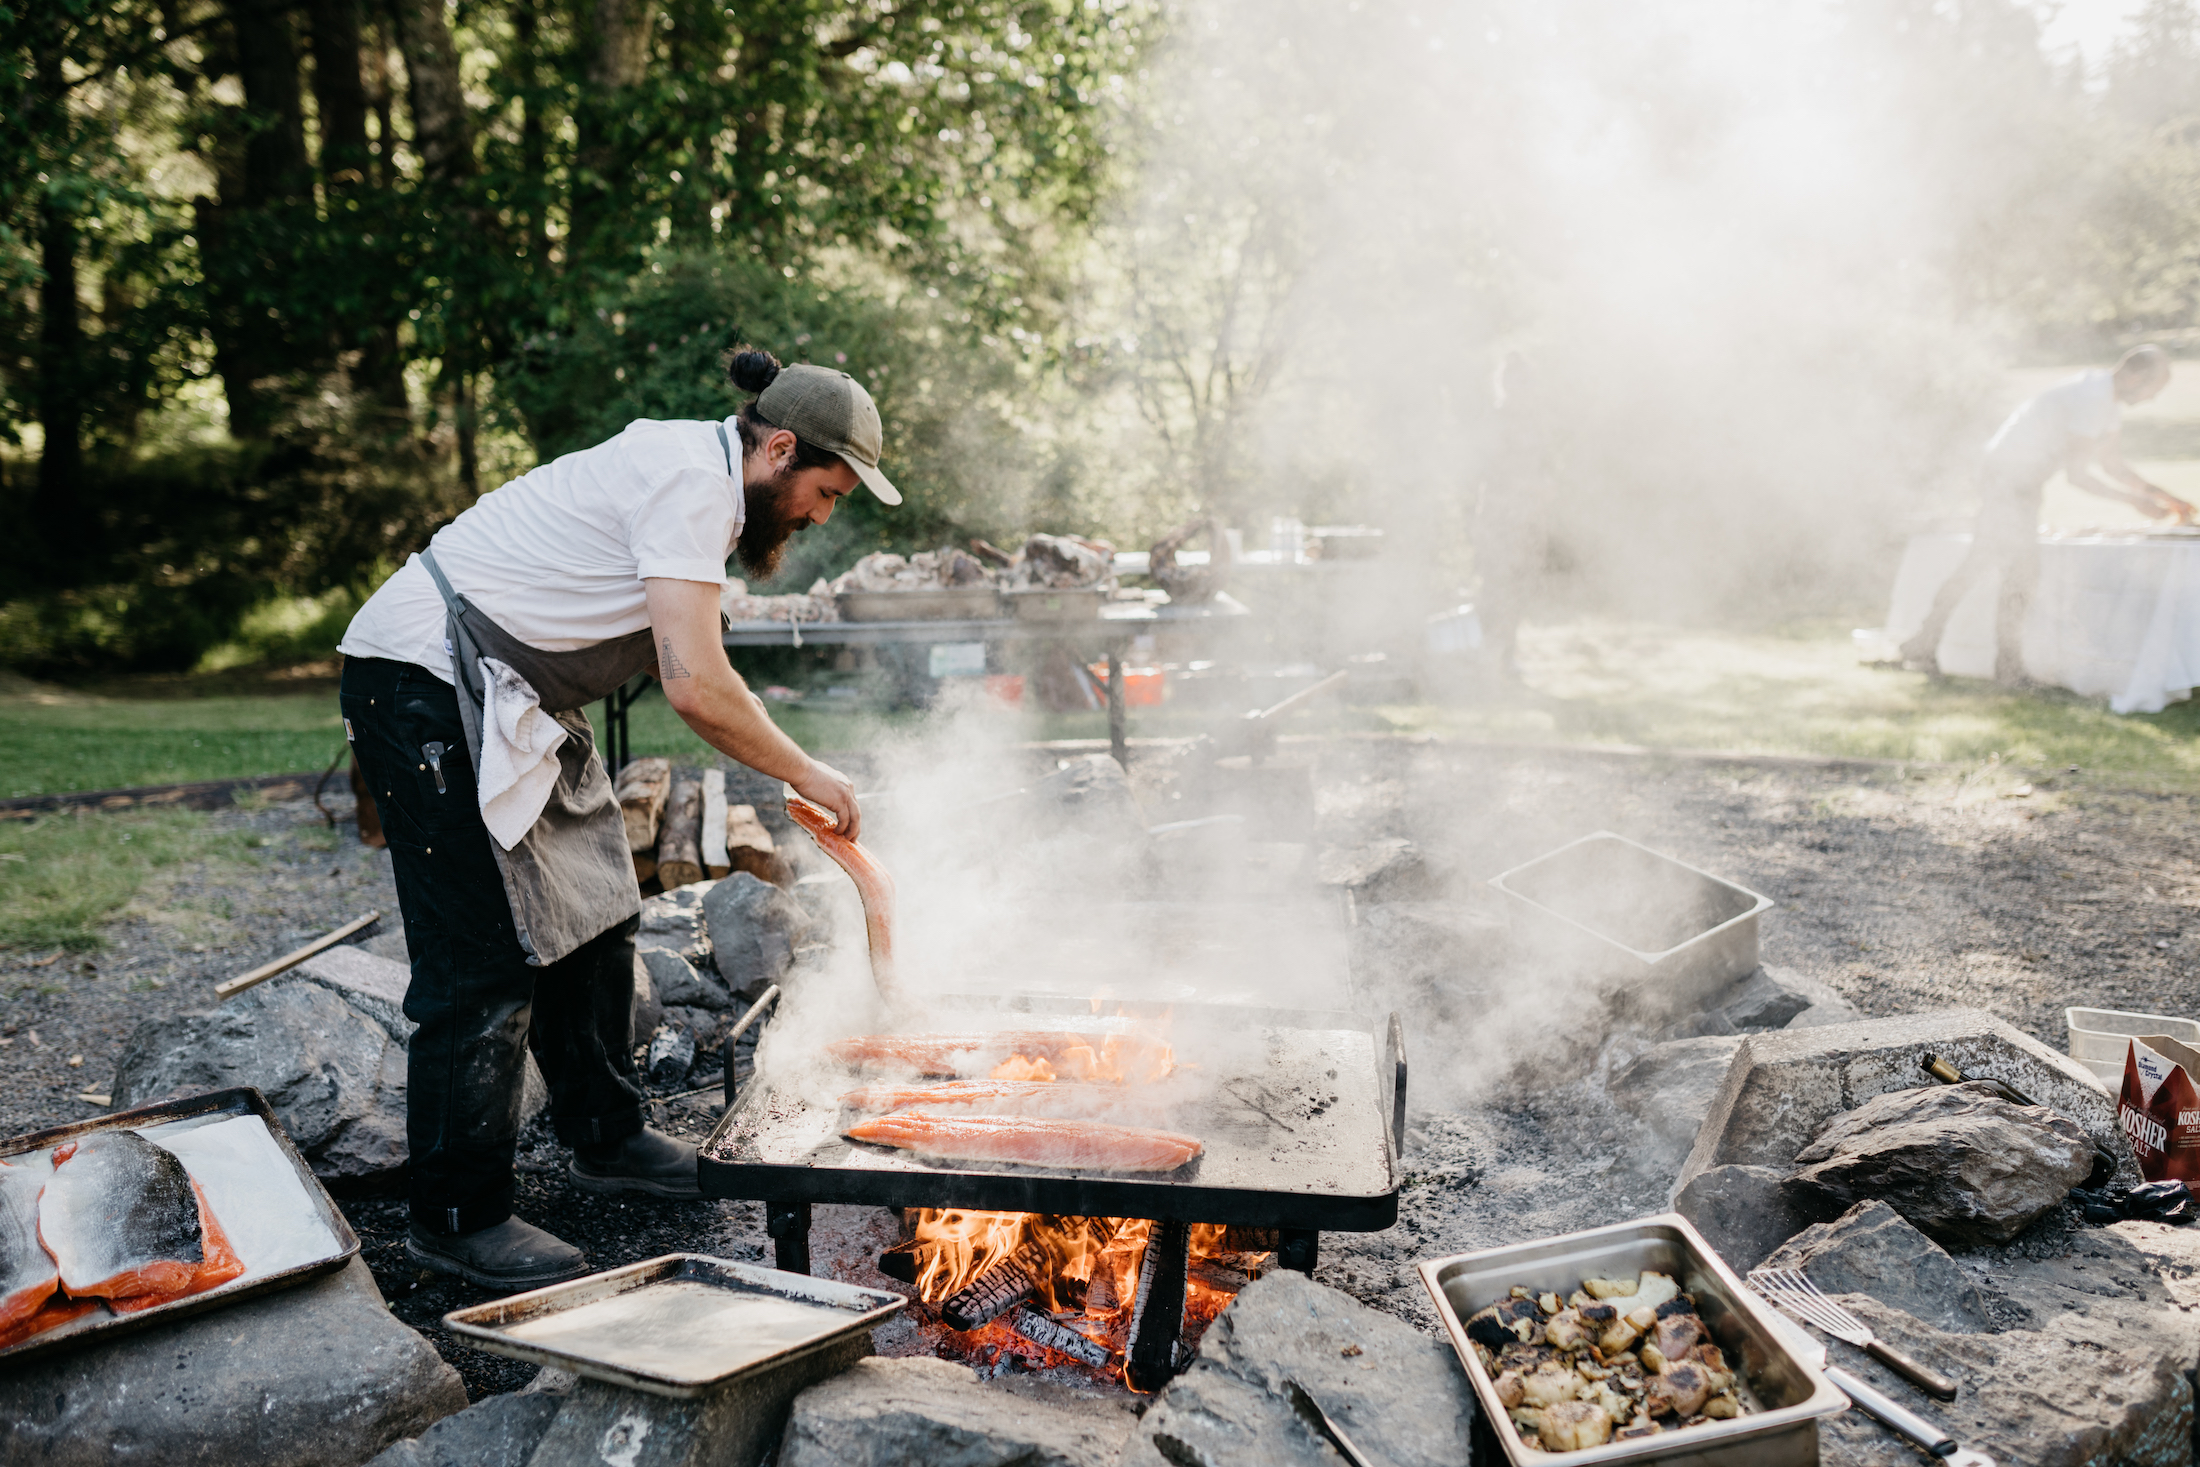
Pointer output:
830, 409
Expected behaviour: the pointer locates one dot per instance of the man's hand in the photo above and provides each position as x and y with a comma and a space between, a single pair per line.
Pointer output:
711, 698
829, 789
2169, 506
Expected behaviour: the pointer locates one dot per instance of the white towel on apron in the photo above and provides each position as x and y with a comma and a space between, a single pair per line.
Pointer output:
519, 754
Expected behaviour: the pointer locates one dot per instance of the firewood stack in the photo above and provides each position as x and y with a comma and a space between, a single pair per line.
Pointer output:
679, 842
644, 786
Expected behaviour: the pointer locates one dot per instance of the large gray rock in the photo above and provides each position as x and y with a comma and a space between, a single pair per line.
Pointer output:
1959, 1161
1872, 1249
649, 1010
334, 1076
674, 921
755, 928
374, 986
1390, 869
887, 1413
321, 1375
1777, 998
1670, 1086
2085, 1393
498, 1431
389, 944
1742, 1212
1090, 796
674, 981
1784, 1087
1399, 1394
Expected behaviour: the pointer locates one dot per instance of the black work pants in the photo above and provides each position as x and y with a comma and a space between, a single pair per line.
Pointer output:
474, 995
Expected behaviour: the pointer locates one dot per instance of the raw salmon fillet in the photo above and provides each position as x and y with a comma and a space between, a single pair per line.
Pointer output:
1077, 1056
57, 1311
28, 1275
999, 1097
121, 1218
873, 885
1030, 1141
222, 1263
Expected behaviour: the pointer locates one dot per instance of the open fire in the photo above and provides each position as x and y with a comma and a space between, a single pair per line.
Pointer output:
1074, 1290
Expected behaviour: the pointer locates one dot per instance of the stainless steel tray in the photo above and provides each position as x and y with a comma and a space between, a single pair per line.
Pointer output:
677, 1325
104, 1325
1787, 1394
1666, 936
1042, 603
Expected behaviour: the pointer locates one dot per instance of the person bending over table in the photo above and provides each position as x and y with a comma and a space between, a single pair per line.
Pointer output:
464, 683
2076, 427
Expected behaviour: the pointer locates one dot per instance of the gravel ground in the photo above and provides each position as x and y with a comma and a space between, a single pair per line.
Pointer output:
2013, 891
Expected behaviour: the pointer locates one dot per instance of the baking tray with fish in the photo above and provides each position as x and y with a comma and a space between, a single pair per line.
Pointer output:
278, 1217
1784, 1393
675, 1326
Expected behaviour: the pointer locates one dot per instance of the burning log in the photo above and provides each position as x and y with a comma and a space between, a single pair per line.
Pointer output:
1249, 1240
1217, 1276
901, 1262
679, 844
1157, 1316
1059, 1338
999, 1289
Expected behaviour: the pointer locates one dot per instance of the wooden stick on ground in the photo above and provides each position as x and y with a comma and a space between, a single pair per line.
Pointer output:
231, 987
679, 854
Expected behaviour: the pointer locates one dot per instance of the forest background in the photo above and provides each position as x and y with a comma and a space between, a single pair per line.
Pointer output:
285, 284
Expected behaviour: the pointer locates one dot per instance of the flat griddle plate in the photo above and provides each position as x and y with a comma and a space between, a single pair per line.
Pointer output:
1294, 1124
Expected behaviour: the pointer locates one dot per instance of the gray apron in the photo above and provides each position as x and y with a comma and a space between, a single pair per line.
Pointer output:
571, 876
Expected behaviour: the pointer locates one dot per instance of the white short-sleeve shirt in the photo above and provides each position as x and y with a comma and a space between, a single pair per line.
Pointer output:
557, 557
2038, 437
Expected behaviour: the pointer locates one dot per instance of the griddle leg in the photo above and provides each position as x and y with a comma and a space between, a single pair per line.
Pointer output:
789, 1225
1157, 1318
1299, 1248
1119, 743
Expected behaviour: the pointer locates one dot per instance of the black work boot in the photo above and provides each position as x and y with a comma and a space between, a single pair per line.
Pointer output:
512, 1255
648, 1161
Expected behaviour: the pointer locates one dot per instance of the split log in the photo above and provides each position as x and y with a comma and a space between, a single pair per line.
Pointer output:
1059, 1338
749, 847
715, 861
645, 867
679, 842
993, 1293
644, 785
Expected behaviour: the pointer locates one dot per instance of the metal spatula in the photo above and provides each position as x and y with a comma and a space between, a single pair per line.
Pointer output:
1801, 1298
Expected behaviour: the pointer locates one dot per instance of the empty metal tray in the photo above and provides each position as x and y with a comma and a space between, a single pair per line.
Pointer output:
1662, 934
677, 1325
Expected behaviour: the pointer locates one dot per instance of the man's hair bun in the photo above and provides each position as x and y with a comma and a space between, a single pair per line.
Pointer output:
751, 370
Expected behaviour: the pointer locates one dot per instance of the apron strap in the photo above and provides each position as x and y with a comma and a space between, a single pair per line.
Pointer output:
450, 597
728, 447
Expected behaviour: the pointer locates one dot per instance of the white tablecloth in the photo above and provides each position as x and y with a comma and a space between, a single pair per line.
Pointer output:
2115, 617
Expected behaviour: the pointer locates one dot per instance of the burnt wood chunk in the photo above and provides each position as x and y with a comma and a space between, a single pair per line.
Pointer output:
993, 1293
899, 1263
1157, 1316
1250, 1240
1059, 1338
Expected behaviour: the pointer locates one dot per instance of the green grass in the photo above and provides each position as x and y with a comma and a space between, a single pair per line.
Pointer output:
61, 876
50, 742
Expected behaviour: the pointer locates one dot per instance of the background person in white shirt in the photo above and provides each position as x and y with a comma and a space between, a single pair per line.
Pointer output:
2074, 427
621, 548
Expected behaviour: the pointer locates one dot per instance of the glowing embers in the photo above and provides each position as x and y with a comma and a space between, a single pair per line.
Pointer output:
1119, 1295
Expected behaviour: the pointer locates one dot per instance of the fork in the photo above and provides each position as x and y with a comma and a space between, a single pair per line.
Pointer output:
1800, 1297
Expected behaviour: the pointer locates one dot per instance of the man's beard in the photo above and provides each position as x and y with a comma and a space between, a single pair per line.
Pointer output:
768, 527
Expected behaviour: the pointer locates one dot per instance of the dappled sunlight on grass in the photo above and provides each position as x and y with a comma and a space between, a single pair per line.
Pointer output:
1800, 691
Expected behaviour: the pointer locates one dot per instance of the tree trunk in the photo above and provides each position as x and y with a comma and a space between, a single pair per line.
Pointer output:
62, 528
534, 149
442, 132
275, 167
339, 92
618, 53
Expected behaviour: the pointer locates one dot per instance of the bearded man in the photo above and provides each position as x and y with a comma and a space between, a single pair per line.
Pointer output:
465, 677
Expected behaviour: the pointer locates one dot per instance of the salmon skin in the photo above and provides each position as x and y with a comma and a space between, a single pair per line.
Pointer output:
873, 885
1030, 1141
222, 1263
1096, 1056
998, 1097
28, 1276
121, 1218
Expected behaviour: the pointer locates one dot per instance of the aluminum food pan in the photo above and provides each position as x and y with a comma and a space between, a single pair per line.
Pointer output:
1046, 604
963, 603
1787, 1393
98, 1328
1665, 935
677, 1326
2100, 1038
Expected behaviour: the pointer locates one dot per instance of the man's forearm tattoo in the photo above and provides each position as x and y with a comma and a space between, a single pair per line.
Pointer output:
670, 666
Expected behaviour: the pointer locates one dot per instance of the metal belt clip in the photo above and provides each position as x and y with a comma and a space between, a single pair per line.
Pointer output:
433, 753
